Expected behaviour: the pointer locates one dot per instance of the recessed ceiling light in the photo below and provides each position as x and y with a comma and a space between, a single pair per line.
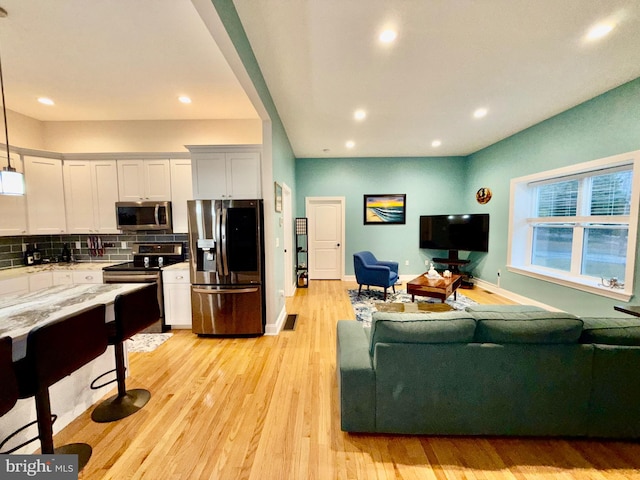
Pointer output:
350, 144
599, 31
436, 143
360, 114
184, 99
480, 112
388, 36
46, 101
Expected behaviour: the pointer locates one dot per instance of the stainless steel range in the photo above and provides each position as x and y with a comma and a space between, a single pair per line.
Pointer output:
146, 267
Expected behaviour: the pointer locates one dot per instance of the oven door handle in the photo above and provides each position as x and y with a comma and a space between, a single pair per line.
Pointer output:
131, 278
212, 291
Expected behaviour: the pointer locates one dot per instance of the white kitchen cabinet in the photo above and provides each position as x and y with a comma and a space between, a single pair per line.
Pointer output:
38, 281
61, 277
87, 276
225, 172
91, 191
181, 191
144, 180
177, 298
14, 286
45, 195
13, 208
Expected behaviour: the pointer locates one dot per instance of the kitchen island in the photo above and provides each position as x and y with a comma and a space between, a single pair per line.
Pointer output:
71, 396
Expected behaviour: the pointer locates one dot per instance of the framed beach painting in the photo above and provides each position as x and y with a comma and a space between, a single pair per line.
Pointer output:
385, 209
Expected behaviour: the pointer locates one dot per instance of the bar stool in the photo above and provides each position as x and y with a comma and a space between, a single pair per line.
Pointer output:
8, 381
54, 351
134, 311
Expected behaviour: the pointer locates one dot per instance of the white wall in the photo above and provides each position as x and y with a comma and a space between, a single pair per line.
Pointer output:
147, 136
24, 131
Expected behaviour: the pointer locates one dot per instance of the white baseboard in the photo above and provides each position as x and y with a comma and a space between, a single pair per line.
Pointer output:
274, 329
403, 278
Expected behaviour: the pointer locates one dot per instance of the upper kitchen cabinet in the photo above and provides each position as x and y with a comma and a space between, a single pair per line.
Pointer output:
143, 180
225, 172
91, 191
13, 208
181, 191
45, 195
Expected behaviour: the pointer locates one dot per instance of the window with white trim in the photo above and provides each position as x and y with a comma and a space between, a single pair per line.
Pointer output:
577, 225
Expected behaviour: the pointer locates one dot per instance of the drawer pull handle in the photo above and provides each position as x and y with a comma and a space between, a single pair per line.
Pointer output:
224, 290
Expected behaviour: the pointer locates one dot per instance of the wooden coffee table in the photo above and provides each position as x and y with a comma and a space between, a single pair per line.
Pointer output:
441, 288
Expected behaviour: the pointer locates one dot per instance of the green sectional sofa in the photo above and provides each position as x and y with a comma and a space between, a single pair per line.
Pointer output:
490, 370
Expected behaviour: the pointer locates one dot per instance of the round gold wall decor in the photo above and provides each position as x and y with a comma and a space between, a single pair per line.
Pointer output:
483, 195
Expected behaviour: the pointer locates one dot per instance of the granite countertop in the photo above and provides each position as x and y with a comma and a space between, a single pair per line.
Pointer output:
50, 267
20, 313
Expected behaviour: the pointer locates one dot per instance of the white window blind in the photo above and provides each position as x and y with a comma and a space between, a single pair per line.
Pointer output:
557, 199
611, 194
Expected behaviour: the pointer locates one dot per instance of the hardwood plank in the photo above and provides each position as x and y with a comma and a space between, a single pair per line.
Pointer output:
267, 408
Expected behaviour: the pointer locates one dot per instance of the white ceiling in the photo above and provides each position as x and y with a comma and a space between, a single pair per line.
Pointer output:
115, 60
524, 60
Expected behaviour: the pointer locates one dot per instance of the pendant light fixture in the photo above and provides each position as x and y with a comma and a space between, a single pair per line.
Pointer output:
11, 181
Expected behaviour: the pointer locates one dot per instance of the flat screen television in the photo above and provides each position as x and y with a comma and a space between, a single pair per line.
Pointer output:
469, 232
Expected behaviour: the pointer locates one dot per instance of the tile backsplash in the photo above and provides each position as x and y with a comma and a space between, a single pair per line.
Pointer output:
50, 246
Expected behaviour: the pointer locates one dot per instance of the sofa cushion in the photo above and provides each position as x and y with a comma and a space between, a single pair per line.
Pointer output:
542, 327
611, 331
436, 327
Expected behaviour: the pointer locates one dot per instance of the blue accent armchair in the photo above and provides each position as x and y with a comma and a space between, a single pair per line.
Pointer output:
370, 271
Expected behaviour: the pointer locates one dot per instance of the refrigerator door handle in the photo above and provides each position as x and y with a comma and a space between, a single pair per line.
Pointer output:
225, 264
218, 236
208, 291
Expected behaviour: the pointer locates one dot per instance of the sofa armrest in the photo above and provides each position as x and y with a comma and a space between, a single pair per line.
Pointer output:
356, 378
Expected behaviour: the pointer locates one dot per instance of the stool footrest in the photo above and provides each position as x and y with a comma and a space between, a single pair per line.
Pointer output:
26, 442
120, 406
93, 385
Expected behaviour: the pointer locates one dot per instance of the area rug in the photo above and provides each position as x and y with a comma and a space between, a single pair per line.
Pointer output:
364, 306
146, 342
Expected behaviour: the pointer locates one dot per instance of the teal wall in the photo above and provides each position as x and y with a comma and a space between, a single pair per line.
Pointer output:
283, 158
432, 185
606, 125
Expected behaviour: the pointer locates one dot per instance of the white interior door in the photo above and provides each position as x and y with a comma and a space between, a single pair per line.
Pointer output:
326, 237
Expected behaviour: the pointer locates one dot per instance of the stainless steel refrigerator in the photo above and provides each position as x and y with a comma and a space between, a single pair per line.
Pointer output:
226, 248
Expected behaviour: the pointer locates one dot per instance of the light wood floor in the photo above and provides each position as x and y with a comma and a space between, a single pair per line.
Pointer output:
266, 408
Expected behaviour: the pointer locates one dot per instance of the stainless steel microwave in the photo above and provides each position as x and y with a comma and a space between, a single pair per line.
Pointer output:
144, 216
